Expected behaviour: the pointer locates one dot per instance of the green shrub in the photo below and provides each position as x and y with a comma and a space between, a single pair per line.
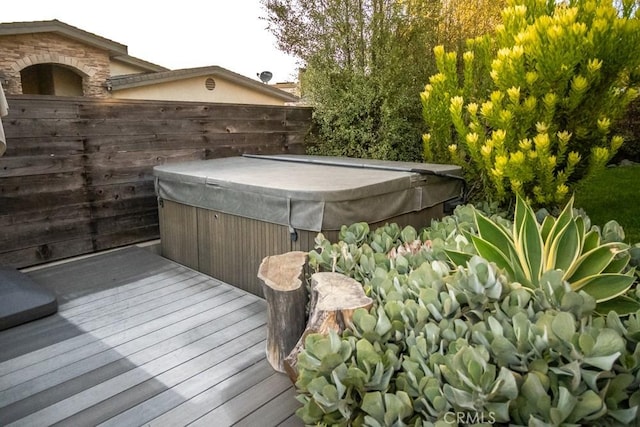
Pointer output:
532, 111
445, 344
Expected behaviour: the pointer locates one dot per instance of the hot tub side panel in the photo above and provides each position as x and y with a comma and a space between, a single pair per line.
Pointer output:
179, 233
230, 247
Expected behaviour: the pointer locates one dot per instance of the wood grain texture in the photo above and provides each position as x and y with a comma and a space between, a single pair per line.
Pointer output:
284, 289
163, 346
95, 158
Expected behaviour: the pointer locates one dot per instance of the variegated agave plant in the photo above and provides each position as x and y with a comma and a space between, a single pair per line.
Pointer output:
530, 249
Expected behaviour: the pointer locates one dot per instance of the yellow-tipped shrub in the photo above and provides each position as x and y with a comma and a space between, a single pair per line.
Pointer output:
541, 92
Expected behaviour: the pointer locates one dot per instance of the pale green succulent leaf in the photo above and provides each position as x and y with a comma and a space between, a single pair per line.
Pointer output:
363, 320
475, 371
334, 341
604, 287
535, 393
593, 262
607, 342
571, 372
493, 232
535, 422
402, 264
328, 397
566, 404
370, 421
545, 228
563, 326
330, 361
521, 212
619, 263
307, 361
337, 375
505, 351
375, 382
508, 385
590, 241
622, 306
317, 385
383, 324
498, 410
373, 405
529, 244
588, 404
366, 354
586, 343
564, 249
397, 407
591, 378
458, 258
612, 232
561, 222
490, 252
408, 234
602, 362
458, 398
625, 416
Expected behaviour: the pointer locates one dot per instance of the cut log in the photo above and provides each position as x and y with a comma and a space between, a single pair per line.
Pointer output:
286, 296
334, 298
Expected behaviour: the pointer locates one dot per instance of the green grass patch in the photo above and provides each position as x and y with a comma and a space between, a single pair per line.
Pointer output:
614, 194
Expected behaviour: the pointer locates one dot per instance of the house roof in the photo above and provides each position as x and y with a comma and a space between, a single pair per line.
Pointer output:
155, 73
116, 50
146, 79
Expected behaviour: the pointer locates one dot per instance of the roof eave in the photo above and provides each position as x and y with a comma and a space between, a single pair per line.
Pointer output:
58, 27
175, 75
131, 60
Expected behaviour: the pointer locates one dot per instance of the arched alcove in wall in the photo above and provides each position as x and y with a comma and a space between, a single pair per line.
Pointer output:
51, 79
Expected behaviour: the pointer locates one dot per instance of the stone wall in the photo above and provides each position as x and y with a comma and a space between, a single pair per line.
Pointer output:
21, 51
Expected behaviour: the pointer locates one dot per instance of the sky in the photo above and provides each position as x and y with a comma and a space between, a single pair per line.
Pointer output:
176, 34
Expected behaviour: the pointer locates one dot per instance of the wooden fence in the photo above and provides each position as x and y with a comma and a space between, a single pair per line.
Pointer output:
77, 174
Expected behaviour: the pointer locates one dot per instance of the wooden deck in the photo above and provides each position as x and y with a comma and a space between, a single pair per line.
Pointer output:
140, 340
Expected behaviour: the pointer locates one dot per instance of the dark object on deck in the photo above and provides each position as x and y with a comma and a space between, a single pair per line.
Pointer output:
283, 287
22, 300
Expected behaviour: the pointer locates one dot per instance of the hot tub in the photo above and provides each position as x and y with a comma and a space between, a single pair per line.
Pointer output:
223, 216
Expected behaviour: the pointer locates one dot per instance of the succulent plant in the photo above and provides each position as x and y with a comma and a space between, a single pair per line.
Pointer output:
469, 343
529, 249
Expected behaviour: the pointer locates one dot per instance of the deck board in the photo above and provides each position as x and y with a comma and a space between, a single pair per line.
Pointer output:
146, 342
274, 412
235, 409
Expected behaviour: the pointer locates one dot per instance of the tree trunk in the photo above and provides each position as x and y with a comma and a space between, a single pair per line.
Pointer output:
334, 298
282, 284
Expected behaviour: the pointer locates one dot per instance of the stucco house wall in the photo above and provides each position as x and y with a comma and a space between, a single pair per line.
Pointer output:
195, 89
118, 68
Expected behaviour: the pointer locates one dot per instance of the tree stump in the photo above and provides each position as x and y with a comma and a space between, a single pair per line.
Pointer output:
282, 285
334, 298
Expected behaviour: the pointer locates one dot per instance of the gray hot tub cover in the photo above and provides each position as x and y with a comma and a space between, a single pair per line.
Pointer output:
307, 192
